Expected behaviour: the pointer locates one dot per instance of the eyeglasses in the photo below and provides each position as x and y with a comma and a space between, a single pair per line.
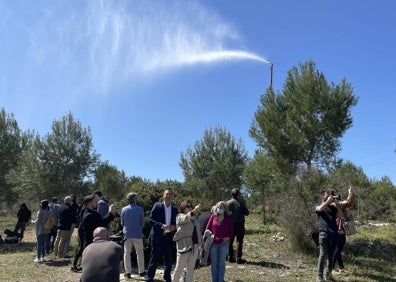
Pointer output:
189, 206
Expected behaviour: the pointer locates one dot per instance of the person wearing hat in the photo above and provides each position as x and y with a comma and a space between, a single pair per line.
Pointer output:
65, 220
101, 259
132, 221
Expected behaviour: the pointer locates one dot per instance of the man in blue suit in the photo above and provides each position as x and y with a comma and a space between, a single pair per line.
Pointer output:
163, 226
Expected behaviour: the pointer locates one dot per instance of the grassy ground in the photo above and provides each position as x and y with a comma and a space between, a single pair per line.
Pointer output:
369, 255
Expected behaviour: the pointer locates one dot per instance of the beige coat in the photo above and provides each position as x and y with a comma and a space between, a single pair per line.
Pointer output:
185, 224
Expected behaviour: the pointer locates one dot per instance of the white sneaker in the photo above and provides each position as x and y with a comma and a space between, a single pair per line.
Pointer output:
43, 259
37, 260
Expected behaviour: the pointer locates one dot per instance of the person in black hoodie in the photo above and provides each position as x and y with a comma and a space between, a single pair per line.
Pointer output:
24, 215
92, 219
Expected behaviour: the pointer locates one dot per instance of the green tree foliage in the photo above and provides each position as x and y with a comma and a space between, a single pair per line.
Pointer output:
10, 150
110, 181
379, 204
263, 180
300, 129
28, 176
345, 174
68, 156
303, 124
296, 203
56, 165
214, 165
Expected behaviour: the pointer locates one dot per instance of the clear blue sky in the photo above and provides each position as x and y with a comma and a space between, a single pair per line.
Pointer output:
148, 77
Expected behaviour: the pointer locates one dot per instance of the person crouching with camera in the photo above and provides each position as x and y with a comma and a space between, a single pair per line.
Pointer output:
327, 212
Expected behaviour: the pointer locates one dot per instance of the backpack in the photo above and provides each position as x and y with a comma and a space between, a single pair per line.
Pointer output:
11, 240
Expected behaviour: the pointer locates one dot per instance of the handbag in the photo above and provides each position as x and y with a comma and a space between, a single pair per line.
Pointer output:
349, 227
49, 223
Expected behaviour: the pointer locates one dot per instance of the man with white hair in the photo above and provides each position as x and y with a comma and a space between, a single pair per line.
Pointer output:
132, 221
65, 220
101, 259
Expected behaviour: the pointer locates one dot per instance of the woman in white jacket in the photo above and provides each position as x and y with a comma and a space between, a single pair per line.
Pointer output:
188, 239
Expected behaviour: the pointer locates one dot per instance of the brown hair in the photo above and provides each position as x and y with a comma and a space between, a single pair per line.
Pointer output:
183, 205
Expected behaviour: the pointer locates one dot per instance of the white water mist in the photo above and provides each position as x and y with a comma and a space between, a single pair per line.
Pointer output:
112, 42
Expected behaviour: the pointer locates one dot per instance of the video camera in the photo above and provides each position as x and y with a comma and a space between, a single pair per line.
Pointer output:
335, 196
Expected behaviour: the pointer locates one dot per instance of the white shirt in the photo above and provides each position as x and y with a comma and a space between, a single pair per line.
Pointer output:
168, 214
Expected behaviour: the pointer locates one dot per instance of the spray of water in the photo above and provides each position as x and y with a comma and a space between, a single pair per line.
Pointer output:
210, 57
109, 42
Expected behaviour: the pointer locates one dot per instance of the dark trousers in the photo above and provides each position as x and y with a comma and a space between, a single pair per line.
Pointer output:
239, 233
80, 248
327, 246
20, 225
51, 239
340, 247
161, 247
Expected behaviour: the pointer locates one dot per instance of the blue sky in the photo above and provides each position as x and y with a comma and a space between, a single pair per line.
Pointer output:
148, 77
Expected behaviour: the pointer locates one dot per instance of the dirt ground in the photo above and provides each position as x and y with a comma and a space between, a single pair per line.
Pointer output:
263, 264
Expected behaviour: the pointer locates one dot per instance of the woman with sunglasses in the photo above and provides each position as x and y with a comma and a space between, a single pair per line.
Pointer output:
188, 239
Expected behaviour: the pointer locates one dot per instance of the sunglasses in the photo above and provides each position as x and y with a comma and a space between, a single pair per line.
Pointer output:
189, 206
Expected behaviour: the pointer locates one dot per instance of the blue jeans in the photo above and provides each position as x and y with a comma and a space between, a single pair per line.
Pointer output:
218, 253
41, 245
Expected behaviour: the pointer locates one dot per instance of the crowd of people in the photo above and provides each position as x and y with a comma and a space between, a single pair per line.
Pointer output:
173, 230
55, 224
184, 230
187, 229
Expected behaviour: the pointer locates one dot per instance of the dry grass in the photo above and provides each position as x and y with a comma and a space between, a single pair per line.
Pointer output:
369, 256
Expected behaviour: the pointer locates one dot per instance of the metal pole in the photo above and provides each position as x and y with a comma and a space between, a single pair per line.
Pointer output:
272, 70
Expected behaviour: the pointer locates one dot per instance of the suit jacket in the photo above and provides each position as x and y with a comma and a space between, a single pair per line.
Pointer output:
157, 219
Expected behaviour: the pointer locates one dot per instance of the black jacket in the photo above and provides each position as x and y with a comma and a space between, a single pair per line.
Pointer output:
24, 214
91, 220
66, 217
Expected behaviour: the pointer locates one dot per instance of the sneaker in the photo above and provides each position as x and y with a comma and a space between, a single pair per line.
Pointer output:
231, 260
43, 259
37, 260
241, 261
127, 275
74, 268
142, 274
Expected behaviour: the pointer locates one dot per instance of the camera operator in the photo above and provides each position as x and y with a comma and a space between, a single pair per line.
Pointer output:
327, 212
